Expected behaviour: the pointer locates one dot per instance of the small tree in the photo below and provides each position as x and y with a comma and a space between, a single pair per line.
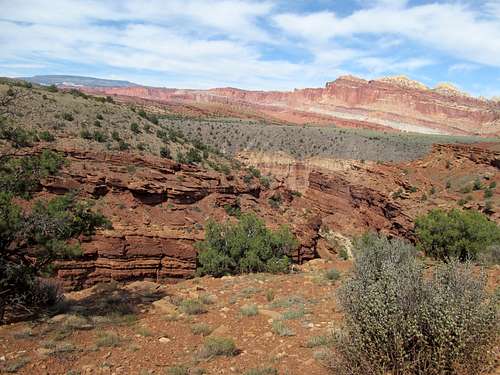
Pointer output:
456, 233
247, 246
30, 241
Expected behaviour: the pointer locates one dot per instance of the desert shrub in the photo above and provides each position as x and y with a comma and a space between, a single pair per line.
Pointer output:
488, 193
178, 370
116, 136
86, 134
477, 184
233, 209
246, 246
52, 88
321, 340
270, 295
201, 329
153, 119
217, 346
16, 136
281, 329
343, 254
193, 156
46, 136
399, 321
67, 116
108, 339
254, 172
262, 371
275, 200
332, 274
122, 145
455, 233
265, 181
99, 136
490, 256
165, 152
193, 307
135, 128
398, 193
249, 310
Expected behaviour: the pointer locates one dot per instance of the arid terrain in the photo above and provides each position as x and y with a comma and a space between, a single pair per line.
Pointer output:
148, 328
133, 303
392, 103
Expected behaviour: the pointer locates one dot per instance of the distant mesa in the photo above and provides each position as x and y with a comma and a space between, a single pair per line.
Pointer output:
395, 103
67, 80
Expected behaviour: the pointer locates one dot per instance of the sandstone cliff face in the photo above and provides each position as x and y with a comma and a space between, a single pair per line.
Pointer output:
351, 197
394, 103
158, 207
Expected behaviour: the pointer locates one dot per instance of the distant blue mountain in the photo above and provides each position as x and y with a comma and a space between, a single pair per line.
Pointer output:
77, 81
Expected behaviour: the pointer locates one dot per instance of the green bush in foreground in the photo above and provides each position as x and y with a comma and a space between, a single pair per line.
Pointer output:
399, 321
456, 234
246, 246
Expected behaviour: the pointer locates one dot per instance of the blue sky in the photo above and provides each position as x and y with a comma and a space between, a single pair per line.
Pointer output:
269, 44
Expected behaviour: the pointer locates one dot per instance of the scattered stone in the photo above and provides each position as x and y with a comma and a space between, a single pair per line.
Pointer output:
58, 318
220, 331
272, 314
164, 306
164, 340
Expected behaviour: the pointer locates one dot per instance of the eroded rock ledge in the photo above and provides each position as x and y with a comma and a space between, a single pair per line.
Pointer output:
158, 207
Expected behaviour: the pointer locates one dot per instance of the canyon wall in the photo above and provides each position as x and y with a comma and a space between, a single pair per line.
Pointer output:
391, 103
158, 208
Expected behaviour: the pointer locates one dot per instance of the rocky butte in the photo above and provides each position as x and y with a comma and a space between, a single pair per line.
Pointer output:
392, 103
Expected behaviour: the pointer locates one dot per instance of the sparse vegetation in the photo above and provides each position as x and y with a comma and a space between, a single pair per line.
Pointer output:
135, 128
249, 310
108, 339
321, 340
332, 274
281, 329
217, 346
262, 371
201, 329
193, 307
47, 136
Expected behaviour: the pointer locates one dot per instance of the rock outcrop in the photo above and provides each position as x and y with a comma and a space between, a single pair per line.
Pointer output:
394, 103
158, 207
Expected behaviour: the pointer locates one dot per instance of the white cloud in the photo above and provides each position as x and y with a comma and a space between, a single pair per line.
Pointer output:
452, 28
462, 68
378, 65
246, 43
